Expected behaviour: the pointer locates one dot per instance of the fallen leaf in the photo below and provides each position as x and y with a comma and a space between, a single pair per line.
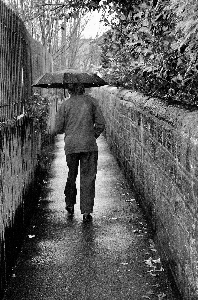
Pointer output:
151, 273
160, 270
31, 236
149, 262
157, 261
150, 293
154, 250
161, 296
152, 245
130, 200
156, 285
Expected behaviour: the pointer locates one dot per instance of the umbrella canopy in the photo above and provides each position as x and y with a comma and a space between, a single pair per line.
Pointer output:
62, 78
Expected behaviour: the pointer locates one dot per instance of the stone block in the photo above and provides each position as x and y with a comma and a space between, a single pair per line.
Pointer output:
185, 185
195, 190
169, 141
159, 134
194, 158
170, 167
135, 132
151, 147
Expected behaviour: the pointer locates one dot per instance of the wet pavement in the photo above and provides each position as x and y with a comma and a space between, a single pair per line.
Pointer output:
113, 257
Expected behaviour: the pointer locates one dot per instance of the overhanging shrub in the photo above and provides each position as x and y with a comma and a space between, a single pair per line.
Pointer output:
152, 47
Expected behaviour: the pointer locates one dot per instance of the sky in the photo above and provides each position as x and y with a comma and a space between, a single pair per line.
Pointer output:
94, 26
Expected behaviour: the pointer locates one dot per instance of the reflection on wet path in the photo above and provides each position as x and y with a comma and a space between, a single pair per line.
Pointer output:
113, 257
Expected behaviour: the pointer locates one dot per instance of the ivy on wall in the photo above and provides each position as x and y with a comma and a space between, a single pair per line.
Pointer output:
37, 107
152, 47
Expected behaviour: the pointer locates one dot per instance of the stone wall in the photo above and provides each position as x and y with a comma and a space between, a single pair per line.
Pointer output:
157, 146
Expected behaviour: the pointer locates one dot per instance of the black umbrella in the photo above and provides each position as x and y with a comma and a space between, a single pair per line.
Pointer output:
62, 78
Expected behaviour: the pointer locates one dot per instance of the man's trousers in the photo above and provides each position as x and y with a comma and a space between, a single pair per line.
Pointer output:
88, 170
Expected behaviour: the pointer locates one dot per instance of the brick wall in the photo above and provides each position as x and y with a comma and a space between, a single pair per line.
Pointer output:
19, 148
157, 146
21, 144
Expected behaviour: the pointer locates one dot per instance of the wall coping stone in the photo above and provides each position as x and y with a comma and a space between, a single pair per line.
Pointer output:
181, 119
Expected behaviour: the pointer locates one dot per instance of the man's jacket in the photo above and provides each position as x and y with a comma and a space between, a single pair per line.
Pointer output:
81, 119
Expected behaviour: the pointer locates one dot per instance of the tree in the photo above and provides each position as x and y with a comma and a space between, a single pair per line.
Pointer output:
71, 39
58, 25
43, 18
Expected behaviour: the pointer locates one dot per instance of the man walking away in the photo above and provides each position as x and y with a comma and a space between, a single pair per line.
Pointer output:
81, 120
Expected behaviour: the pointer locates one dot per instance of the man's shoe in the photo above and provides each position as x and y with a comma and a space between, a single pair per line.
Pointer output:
70, 209
87, 218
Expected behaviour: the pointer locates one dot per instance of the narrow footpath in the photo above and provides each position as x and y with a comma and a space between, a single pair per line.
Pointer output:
111, 258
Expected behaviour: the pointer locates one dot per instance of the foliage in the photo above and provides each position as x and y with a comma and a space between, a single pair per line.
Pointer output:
37, 107
152, 47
